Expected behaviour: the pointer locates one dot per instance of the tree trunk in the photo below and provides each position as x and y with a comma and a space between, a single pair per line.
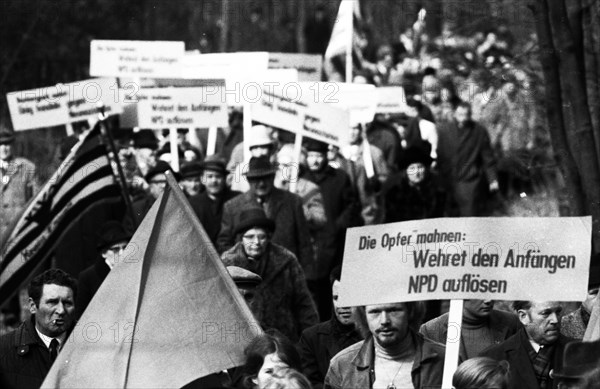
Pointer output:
580, 130
591, 55
554, 106
300, 23
224, 25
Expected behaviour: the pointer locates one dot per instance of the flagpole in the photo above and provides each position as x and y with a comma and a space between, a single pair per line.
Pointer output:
349, 46
113, 158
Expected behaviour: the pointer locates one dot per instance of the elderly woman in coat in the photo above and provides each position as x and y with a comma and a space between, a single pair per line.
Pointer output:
282, 300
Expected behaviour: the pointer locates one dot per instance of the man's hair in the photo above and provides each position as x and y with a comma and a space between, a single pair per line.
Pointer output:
481, 372
415, 309
52, 276
335, 275
518, 305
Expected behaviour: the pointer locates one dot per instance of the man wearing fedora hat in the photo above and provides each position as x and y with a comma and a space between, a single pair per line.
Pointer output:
112, 241
208, 205
282, 300
281, 206
581, 366
17, 184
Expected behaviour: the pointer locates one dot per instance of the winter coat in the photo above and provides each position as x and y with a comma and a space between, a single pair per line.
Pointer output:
88, 284
282, 300
210, 211
321, 342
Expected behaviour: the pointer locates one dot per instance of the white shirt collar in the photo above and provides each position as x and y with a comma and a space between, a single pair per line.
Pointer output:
536, 346
48, 339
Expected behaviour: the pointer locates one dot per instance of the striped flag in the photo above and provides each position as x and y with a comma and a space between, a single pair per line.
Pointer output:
344, 37
83, 179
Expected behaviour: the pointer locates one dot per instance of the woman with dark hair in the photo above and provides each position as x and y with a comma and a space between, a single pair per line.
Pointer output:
264, 355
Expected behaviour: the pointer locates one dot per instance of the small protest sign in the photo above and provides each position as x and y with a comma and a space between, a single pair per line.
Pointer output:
180, 107
467, 258
309, 66
145, 59
391, 100
63, 103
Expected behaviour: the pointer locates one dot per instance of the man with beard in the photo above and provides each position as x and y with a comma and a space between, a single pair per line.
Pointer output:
482, 327
27, 353
319, 343
536, 350
393, 354
208, 205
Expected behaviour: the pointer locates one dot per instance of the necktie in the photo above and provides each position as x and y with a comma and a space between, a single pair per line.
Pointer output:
53, 350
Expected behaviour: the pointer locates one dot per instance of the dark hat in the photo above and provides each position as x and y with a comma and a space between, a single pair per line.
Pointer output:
160, 168
579, 358
145, 139
315, 145
244, 278
191, 169
6, 137
251, 218
112, 232
594, 280
214, 163
260, 167
414, 155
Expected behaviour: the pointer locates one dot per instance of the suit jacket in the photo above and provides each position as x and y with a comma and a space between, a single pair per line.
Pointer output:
210, 211
88, 284
522, 375
24, 358
285, 208
502, 325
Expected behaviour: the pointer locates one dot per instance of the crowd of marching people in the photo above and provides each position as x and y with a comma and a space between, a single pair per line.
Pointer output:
279, 227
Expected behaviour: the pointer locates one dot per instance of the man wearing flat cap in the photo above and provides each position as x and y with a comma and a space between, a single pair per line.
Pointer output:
190, 178
246, 283
282, 299
112, 242
17, 184
208, 205
281, 206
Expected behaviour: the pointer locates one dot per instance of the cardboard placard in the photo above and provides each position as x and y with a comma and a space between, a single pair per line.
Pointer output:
223, 65
309, 66
391, 100
136, 58
63, 103
467, 258
180, 107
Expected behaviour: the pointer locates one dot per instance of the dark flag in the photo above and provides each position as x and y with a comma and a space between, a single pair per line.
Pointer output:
83, 179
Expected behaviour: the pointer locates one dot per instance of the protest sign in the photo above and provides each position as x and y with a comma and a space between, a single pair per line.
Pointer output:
222, 65
63, 103
181, 107
467, 258
391, 100
358, 99
309, 66
136, 58
317, 121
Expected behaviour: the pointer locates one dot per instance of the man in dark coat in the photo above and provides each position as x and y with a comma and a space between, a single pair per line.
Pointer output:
536, 350
27, 353
466, 163
208, 205
321, 342
282, 300
113, 239
283, 207
482, 327
342, 208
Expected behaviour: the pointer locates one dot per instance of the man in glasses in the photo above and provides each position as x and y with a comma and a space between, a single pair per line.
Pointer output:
282, 300
112, 244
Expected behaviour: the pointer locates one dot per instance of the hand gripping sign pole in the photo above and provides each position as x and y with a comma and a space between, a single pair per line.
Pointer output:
452, 342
